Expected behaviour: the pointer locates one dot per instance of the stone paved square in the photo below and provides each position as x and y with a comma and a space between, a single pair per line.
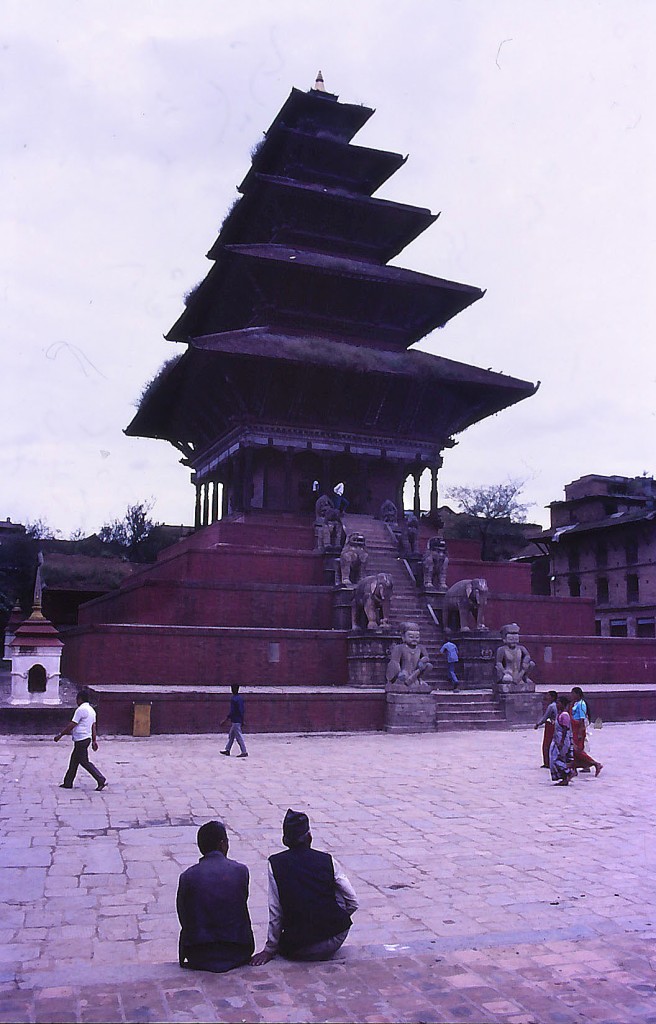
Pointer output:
486, 893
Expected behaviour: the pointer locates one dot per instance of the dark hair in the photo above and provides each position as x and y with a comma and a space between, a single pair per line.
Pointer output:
235, 687
553, 693
210, 836
563, 701
83, 695
581, 696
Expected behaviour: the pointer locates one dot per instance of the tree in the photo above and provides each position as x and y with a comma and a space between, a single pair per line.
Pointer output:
130, 531
39, 529
497, 501
497, 509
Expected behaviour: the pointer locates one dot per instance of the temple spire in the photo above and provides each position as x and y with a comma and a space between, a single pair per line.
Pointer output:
319, 84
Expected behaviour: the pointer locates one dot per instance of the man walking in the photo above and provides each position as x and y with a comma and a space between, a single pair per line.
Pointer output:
451, 651
212, 905
310, 898
236, 717
83, 731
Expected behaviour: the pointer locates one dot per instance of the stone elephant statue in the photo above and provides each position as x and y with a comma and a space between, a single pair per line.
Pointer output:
371, 602
465, 601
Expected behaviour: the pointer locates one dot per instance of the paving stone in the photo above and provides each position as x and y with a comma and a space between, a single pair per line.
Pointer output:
468, 910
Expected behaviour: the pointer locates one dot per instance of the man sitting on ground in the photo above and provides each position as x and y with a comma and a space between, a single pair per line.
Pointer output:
212, 907
310, 898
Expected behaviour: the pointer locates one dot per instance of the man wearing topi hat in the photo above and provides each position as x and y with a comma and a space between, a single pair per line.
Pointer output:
310, 898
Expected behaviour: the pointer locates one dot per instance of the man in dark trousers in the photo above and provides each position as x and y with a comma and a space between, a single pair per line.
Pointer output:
310, 898
82, 727
236, 717
212, 905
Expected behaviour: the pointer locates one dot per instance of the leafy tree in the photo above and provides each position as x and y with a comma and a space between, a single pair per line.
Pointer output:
130, 531
496, 508
39, 529
497, 501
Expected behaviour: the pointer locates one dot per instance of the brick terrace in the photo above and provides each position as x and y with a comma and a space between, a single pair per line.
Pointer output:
486, 893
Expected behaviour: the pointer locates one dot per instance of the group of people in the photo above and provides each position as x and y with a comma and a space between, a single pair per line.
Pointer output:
310, 902
565, 723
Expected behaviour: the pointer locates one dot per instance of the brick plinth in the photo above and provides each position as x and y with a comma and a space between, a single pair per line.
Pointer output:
187, 711
410, 712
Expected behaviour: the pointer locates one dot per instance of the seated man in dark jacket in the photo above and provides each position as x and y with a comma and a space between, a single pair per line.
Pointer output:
310, 898
212, 907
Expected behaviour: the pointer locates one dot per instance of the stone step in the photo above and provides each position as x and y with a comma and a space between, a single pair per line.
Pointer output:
479, 723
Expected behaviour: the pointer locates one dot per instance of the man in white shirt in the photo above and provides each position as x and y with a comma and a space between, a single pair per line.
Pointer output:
310, 898
83, 731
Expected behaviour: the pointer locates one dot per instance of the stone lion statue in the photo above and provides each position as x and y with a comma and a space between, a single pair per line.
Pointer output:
352, 560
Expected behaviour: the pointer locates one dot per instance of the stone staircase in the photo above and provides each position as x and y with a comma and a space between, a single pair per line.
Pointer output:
469, 709
407, 605
465, 709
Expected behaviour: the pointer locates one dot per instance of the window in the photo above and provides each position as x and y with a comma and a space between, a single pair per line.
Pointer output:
573, 560
645, 627
618, 627
601, 555
574, 586
597, 627
631, 552
602, 590
632, 588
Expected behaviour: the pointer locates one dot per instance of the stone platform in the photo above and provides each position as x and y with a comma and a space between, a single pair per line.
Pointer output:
486, 893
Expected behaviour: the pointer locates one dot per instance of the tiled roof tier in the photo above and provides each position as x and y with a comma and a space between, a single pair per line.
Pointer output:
322, 161
320, 113
257, 285
328, 220
263, 376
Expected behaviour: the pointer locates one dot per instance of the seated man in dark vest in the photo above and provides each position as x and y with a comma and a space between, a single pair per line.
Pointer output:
310, 898
212, 904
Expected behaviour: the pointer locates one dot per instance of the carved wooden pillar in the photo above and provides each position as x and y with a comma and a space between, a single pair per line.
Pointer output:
324, 483
248, 479
399, 492
238, 482
416, 474
434, 492
289, 456
197, 511
206, 502
225, 497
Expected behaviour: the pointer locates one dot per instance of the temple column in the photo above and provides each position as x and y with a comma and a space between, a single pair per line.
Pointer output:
206, 503
225, 497
416, 475
434, 492
247, 479
197, 511
398, 501
215, 500
289, 455
324, 483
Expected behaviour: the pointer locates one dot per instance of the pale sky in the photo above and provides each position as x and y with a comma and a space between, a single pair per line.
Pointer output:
126, 126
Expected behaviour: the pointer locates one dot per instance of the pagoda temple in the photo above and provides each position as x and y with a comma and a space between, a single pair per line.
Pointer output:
297, 371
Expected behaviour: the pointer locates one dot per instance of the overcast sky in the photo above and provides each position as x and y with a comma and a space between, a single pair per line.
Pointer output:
126, 126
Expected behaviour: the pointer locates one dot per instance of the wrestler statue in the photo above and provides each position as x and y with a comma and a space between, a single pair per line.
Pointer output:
513, 662
408, 662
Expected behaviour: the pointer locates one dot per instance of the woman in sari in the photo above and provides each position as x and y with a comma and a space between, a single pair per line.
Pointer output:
578, 711
561, 749
547, 720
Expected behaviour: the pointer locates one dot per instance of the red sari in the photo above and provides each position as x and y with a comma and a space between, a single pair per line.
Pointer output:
581, 758
546, 741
